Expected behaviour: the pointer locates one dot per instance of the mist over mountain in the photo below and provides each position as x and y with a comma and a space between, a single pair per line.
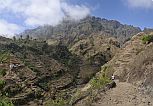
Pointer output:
71, 30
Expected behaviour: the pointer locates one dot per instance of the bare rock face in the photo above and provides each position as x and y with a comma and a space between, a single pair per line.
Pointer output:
95, 51
133, 63
71, 31
95, 44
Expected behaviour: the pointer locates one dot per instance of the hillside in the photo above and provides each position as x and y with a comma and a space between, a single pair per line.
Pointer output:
72, 63
46, 73
132, 67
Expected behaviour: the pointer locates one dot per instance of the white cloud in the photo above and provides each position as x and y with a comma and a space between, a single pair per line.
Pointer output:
147, 4
8, 29
75, 12
40, 12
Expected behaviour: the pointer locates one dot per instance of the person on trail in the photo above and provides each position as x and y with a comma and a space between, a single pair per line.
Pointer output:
11, 66
113, 77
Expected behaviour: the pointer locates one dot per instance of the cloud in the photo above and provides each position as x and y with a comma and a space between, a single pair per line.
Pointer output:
40, 12
8, 29
75, 12
146, 4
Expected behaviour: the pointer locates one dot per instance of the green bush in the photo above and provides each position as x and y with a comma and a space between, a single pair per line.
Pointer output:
2, 84
12, 90
31, 66
147, 38
5, 102
4, 56
43, 85
57, 102
99, 82
2, 72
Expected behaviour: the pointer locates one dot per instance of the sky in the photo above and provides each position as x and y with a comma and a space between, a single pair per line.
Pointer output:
18, 15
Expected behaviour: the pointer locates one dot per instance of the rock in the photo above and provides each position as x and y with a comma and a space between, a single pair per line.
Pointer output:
111, 85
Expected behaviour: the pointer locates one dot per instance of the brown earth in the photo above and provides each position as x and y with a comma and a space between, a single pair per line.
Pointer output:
124, 94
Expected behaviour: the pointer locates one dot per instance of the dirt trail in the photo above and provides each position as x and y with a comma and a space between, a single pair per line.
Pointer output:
125, 94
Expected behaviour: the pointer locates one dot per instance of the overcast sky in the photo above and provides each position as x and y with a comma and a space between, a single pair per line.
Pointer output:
18, 15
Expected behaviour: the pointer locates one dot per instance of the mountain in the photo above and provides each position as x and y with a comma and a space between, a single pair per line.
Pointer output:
72, 31
148, 30
71, 64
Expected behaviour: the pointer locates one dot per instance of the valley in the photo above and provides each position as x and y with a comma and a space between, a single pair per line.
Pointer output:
72, 63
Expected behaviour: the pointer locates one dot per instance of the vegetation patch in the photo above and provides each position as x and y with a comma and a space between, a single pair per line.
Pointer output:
5, 102
56, 102
2, 72
2, 84
147, 39
43, 85
4, 56
99, 82
12, 90
31, 66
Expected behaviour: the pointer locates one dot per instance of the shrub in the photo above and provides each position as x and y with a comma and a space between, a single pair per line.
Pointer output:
5, 102
2, 72
31, 66
56, 102
44, 85
4, 56
12, 90
147, 38
99, 82
2, 84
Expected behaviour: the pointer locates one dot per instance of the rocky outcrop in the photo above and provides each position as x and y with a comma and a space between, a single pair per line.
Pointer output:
95, 51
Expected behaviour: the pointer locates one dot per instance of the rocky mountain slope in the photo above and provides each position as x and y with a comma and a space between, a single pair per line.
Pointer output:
132, 66
71, 31
44, 73
72, 63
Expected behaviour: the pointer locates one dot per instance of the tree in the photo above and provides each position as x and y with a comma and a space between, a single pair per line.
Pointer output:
14, 38
27, 38
21, 37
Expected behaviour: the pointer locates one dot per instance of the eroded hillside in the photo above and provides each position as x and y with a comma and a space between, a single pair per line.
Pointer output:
132, 67
45, 74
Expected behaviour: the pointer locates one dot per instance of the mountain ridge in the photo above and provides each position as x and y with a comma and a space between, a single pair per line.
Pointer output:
71, 31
